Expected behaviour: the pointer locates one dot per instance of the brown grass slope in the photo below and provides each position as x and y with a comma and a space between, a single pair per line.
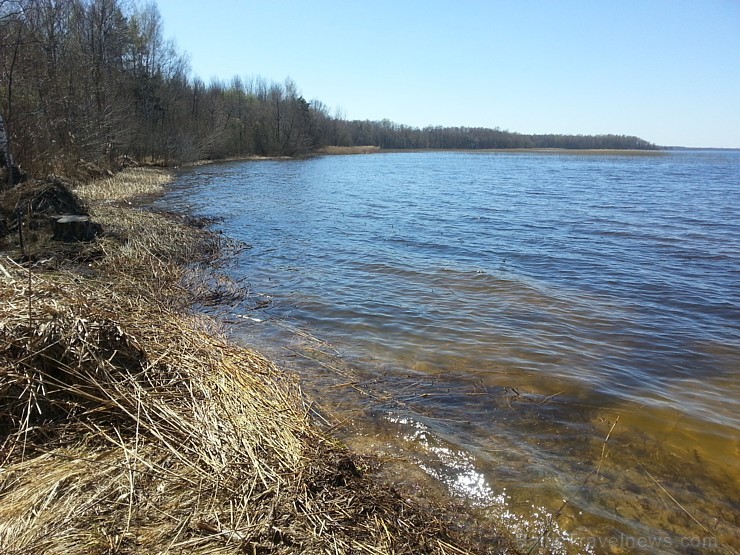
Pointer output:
128, 424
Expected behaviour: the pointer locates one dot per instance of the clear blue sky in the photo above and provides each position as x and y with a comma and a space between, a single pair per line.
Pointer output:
665, 70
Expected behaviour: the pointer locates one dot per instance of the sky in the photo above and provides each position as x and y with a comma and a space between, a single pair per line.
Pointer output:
667, 71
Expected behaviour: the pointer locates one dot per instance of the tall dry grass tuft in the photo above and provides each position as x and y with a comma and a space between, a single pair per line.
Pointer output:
129, 424
130, 183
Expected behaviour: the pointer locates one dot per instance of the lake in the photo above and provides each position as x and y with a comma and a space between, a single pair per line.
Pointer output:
551, 338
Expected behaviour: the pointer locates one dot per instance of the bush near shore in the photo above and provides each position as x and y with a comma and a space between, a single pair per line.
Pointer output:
129, 424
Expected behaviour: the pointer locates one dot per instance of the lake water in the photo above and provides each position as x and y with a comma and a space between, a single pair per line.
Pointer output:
552, 338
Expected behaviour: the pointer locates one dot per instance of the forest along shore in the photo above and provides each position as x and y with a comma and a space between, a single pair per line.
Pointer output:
128, 423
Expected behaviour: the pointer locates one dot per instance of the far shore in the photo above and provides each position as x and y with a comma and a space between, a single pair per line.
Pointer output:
372, 149
584, 151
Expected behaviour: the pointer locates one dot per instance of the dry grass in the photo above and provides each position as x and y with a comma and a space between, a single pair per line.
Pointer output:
130, 425
131, 182
351, 149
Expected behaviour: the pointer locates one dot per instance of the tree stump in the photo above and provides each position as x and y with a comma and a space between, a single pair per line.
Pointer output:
71, 228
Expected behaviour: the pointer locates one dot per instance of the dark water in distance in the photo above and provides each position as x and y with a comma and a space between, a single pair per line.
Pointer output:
499, 315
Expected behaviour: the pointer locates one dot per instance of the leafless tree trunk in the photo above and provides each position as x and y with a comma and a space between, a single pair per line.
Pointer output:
5, 123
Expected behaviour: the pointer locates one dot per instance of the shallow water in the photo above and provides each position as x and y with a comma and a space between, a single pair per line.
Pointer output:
493, 318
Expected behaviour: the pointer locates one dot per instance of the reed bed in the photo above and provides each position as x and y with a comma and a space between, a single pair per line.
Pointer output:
129, 183
129, 424
369, 149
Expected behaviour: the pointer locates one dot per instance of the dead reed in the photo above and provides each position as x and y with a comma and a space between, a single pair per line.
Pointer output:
369, 149
129, 183
129, 424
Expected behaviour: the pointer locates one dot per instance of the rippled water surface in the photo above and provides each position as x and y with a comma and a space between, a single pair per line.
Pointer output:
554, 338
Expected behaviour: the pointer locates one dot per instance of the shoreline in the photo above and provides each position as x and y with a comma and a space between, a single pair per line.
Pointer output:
131, 423
568, 151
370, 149
343, 151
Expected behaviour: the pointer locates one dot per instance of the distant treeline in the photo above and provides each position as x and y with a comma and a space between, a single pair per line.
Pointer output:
95, 80
389, 135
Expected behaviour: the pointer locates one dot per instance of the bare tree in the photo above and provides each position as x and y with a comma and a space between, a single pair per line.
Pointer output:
11, 39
